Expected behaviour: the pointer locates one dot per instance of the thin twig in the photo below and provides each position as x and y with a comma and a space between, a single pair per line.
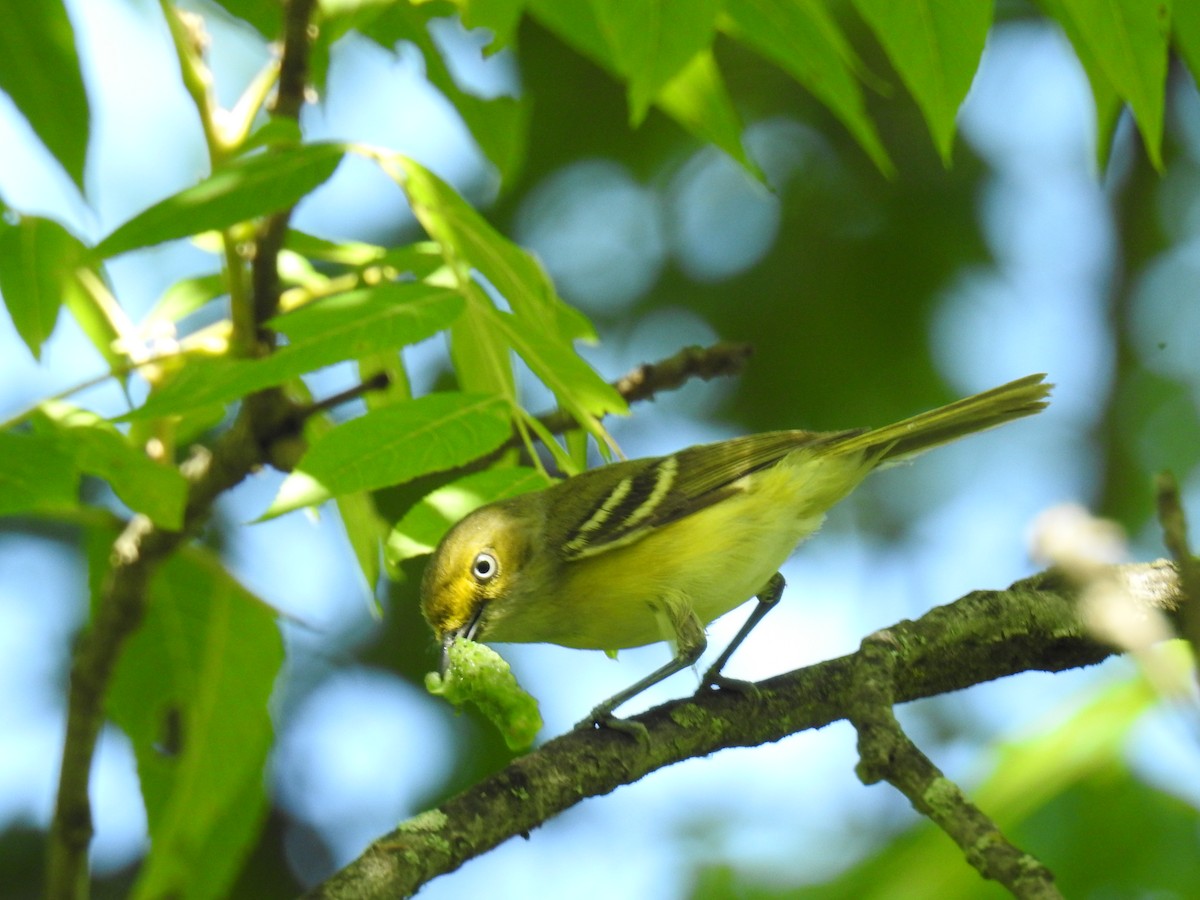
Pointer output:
717, 361
377, 382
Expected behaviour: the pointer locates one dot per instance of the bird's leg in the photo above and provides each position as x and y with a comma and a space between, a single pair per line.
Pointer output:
690, 643
767, 598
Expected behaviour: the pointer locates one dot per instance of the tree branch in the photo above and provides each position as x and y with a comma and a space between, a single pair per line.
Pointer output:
137, 552
142, 546
293, 82
1033, 625
886, 753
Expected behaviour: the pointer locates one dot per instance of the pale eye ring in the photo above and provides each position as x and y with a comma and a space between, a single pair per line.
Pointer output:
484, 567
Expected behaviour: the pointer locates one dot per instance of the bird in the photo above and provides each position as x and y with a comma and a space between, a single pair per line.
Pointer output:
654, 549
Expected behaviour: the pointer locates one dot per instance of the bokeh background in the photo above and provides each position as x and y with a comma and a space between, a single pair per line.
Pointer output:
867, 299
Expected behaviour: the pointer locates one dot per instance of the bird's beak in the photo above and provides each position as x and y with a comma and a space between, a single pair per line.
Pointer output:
467, 632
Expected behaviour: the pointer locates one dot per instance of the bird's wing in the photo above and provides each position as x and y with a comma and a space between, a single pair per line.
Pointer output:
618, 504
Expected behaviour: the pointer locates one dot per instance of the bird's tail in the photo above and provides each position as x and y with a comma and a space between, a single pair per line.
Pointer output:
895, 443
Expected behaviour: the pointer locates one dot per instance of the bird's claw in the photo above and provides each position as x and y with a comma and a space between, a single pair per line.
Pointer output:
715, 681
603, 718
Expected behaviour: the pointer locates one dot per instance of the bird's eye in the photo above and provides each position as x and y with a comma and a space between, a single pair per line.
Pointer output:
484, 567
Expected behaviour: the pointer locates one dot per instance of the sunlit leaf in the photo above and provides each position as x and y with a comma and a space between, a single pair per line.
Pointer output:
394, 445
38, 259
1128, 39
39, 70
1104, 93
246, 188
498, 124
472, 242
698, 99
542, 326
651, 42
35, 474
185, 297
276, 131
101, 318
802, 37
191, 690
145, 486
576, 385
482, 357
695, 96
1185, 27
344, 326
935, 45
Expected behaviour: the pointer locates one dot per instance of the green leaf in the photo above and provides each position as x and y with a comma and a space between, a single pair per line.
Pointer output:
541, 326
482, 358
1128, 41
101, 318
266, 18
468, 241
696, 97
396, 444
367, 320
347, 253
419, 260
1089, 828
191, 690
802, 38
365, 528
38, 259
651, 42
578, 388
276, 131
39, 70
423, 526
36, 475
499, 125
248, 187
340, 327
1185, 25
575, 22
185, 297
500, 17
155, 489
1104, 93
698, 100
935, 45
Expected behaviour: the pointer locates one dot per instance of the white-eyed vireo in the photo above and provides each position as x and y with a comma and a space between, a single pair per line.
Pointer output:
655, 549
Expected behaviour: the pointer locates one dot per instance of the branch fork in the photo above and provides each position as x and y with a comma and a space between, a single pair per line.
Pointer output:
886, 753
